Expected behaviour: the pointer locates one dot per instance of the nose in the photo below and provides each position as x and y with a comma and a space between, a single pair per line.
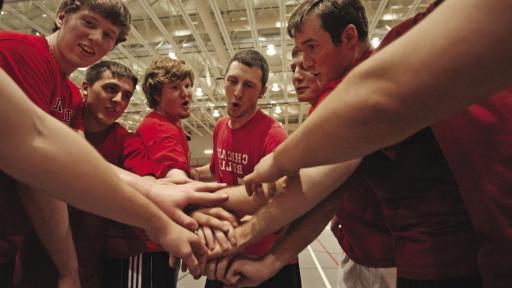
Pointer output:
308, 62
118, 98
96, 35
238, 90
298, 75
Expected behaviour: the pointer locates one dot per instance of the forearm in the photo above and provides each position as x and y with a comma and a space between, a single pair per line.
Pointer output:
203, 173
239, 202
50, 220
306, 229
386, 99
300, 195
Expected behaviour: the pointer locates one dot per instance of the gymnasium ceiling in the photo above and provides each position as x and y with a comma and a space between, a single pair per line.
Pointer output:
206, 33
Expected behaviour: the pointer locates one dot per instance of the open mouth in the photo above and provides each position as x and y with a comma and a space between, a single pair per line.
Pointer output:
301, 90
86, 50
235, 104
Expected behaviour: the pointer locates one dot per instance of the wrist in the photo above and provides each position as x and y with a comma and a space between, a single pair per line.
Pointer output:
273, 263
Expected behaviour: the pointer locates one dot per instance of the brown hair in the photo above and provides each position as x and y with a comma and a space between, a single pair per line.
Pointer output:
118, 70
160, 71
335, 15
115, 11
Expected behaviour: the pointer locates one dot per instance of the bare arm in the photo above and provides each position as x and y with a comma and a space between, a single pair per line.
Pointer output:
203, 173
298, 236
407, 86
38, 139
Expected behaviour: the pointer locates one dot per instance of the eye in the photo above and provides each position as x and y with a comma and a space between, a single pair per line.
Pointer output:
111, 89
88, 23
108, 35
127, 96
249, 85
292, 67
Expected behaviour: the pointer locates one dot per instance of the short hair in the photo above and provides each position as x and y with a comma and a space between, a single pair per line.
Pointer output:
118, 70
252, 58
295, 51
335, 15
114, 11
160, 71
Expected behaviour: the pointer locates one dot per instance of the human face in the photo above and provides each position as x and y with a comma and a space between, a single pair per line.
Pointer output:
106, 100
243, 88
306, 83
320, 56
175, 99
84, 38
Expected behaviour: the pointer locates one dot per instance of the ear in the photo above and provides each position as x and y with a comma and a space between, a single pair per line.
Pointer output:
59, 19
84, 90
262, 92
349, 36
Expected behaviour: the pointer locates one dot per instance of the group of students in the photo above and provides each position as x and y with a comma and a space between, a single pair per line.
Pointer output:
428, 199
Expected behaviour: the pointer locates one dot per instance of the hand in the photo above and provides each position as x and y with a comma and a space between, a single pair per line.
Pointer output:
216, 268
218, 218
266, 171
181, 243
245, 272
172, 199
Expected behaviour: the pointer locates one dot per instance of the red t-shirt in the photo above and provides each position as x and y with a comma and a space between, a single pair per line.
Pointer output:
422, 203
167, 148
359, 224
477, 143
28, 61
166, 143
237, 151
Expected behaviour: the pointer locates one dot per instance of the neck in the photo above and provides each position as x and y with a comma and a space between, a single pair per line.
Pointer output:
91, 125
362, 48
236, 123
57, 55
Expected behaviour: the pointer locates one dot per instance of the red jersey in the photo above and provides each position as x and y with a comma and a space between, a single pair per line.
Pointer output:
166, 144
359, 224
477, 144
28, 61
237, 151
422, 203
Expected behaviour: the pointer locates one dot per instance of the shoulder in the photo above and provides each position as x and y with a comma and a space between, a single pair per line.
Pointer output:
20, 43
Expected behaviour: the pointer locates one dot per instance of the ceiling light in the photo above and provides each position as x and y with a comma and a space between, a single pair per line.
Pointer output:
82, 68
275, 87
271, 50
375, 42
278, 109
172, 55
279, 24
199, 92
208, 151
216, 113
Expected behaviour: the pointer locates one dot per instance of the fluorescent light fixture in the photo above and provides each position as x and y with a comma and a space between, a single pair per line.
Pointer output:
375, 42
199, 92
271, 50
208, 151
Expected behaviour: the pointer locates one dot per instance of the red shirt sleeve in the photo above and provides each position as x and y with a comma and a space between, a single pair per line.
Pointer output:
135, 156
27, 65
275, 136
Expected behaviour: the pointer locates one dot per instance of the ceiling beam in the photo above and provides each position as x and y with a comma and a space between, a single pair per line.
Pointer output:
249, 8
27, 21
377, 16
222, 27
413, 8
209, 26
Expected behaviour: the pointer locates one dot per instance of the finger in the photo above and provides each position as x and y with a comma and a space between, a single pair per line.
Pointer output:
194, 257
211, 268
202, 237
184, 267
232, 236
233, 274
221, 213
222, 266
210, 221
184, 220
210, 238
173, 261
207, 199
272, 189
221, 239
208, 186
